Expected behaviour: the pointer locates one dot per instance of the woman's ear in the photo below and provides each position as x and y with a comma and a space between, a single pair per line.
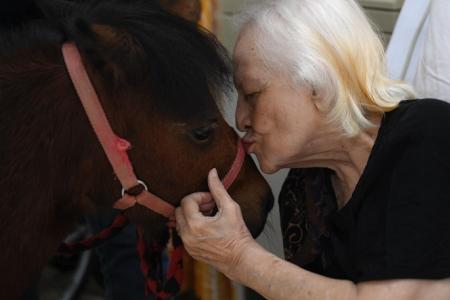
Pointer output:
318, 100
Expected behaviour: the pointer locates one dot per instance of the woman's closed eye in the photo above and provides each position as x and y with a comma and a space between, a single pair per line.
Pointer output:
251, 96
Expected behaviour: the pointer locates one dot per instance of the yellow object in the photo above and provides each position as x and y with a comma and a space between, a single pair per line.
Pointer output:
208, 17
207, 283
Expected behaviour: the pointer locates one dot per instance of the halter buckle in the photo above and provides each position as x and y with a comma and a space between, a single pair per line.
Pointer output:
135, 190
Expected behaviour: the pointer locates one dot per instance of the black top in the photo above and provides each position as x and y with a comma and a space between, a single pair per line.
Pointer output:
397, 222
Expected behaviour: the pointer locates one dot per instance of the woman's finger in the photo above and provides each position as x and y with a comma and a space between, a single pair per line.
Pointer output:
180, 219
191, 203
218, 191
207, 207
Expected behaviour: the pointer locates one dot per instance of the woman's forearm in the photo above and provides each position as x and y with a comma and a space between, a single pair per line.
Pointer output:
276, 279
224, 242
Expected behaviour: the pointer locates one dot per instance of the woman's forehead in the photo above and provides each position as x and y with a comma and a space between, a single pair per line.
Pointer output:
245, 47
246, 60
250, 75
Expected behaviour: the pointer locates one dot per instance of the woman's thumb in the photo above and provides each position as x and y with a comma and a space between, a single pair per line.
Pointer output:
217, 189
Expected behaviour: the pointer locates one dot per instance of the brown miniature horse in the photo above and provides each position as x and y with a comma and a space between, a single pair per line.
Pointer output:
160, 79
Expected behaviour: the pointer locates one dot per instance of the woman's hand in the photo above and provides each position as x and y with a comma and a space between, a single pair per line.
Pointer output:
218, 240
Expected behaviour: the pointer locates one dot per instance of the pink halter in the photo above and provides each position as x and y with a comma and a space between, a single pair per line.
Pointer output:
116, 148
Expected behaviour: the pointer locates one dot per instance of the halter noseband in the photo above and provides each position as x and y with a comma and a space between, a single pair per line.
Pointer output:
134, 191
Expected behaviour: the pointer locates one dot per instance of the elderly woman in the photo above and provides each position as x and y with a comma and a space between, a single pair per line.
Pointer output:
313, 96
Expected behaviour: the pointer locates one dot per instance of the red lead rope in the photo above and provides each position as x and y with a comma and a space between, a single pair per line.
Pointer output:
151, 267
119, 222
150, 258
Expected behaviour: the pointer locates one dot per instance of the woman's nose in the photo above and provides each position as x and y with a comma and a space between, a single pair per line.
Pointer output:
242, 116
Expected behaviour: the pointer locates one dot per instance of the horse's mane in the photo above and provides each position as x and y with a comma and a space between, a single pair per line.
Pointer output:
138, 43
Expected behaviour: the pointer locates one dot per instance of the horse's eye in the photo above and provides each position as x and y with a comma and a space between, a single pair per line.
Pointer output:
202, 134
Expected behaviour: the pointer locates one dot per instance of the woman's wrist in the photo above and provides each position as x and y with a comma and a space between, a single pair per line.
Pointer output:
249, 259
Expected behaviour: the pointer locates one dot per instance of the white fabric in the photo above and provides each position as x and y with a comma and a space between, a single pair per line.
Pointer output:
405, 46
433, 73
419, 51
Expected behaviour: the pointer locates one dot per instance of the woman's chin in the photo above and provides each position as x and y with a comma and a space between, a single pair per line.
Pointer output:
267, 168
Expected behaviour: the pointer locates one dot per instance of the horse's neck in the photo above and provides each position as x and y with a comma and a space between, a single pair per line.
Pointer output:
49, 158
38, 206
42, 196
27, 244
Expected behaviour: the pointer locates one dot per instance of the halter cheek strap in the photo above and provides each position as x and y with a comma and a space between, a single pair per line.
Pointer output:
236, 166
116, 148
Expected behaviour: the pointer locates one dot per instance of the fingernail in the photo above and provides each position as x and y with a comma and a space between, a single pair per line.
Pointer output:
214, 172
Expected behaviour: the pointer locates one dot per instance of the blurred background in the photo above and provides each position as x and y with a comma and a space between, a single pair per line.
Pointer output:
383, 13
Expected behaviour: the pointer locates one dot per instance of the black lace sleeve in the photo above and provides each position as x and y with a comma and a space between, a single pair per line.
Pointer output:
306, 200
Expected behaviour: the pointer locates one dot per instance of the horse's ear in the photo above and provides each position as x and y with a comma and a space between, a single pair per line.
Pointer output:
56, 10
105, 46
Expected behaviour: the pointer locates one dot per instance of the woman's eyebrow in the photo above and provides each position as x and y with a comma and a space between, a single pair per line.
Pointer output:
250, 82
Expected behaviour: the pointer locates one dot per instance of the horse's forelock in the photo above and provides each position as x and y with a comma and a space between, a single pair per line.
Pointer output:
181, 67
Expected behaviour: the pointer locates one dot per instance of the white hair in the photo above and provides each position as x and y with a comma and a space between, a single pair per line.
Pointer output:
330, 46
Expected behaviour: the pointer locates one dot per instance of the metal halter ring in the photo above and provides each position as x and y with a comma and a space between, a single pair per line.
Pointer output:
140, 182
